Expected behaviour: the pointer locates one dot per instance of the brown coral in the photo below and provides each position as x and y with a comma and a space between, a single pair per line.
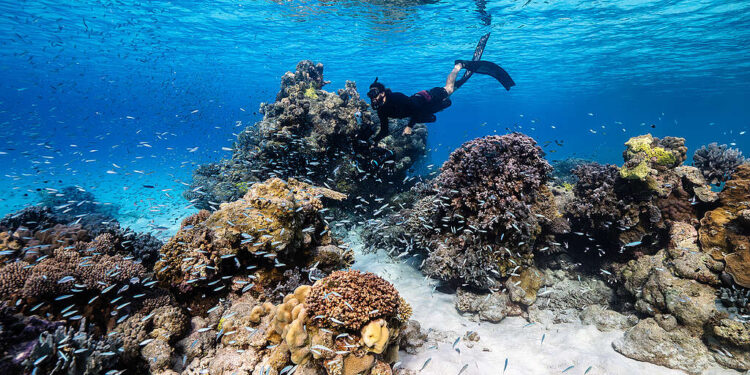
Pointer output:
272, 224
725, 231
350, 299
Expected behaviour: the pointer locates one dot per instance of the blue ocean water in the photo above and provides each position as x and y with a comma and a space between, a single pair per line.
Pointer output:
117, 95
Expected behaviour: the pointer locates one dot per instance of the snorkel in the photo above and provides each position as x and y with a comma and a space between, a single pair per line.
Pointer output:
376, 94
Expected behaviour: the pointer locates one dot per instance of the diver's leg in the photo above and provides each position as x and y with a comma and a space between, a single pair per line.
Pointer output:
450, 83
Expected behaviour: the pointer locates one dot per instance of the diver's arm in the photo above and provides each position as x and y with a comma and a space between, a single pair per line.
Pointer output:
383, 128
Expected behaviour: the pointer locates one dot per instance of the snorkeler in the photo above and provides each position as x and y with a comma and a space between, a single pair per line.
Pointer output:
422, 106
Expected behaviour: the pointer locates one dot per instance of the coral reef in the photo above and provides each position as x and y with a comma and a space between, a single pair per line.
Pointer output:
312, 134
620, 211
562, 171
71, 351
484, 216
18, 336
717, 163
276, 224
37, 231
725, 231
302, 333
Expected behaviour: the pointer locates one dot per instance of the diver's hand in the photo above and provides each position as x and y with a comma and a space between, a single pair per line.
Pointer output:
407, 131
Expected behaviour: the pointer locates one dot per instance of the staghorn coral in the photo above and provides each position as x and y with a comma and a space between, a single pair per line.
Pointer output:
717, 163
275, 224
313, 134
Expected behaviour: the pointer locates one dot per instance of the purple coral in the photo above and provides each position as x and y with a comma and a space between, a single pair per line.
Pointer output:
717, 163
492, 180
490, 197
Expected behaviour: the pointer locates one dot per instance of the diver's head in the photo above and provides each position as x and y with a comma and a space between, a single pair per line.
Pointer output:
377, 94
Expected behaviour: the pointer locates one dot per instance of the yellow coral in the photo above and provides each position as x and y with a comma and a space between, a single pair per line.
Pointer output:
375, 335
310, 93
639, 172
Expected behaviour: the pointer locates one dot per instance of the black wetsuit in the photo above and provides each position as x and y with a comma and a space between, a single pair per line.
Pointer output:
420, 107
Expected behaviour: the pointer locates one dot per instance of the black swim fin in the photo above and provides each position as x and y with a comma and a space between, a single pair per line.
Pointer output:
477, 56
490, 69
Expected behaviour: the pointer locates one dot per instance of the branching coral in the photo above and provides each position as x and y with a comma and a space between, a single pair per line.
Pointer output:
717, 163
483, 216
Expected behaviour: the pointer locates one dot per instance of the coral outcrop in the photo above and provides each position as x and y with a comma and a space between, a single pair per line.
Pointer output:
621, 210
725, 231
717, 163
312, 331
311, 134
484, 216
277, 224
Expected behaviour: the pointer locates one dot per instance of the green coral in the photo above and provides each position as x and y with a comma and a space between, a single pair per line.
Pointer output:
639, 172
643, 144
242, 186
567, 186
310, 93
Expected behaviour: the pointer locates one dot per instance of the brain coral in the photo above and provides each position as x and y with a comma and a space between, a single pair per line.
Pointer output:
350, 299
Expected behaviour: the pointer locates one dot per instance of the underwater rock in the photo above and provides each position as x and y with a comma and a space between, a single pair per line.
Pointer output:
523, 288
277, 224
412, 337
678, 348
687, 259
650, 280
717, 163
563, 297
313, 134
492, 307
605, 319
725, 231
